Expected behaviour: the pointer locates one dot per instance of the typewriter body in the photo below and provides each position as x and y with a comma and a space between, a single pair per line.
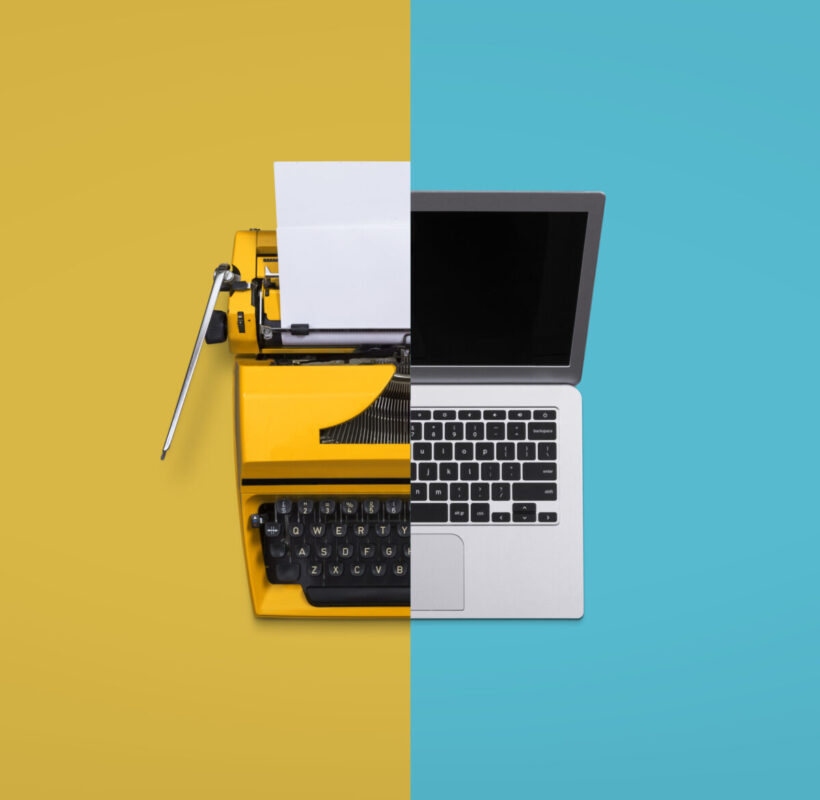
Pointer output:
322, 450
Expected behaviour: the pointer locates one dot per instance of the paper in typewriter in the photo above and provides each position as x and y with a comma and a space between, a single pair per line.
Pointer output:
343, 233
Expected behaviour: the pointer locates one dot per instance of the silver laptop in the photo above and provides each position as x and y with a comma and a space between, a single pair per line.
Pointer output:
501, 292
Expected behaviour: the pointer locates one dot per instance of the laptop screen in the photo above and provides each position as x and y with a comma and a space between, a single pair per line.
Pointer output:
495, 288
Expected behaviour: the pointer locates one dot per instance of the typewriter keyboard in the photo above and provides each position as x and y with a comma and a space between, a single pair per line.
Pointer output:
491, 465
343, 551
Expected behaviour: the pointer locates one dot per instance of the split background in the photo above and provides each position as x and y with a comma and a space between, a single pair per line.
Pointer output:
137, 139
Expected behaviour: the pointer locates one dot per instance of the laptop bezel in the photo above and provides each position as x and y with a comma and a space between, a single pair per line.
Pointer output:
590, 202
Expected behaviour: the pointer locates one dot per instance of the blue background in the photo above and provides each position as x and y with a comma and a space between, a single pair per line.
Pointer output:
693, 671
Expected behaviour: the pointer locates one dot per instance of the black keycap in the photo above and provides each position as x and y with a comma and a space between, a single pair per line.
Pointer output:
544, 413
525, 451
474, 430
541, 430
511, 472
284, 506
469, 413
464, 451
418, 491
437, 491
484, 451
392, 506
315, 569
350, 507
277, 549
516, 431
327, 507
428, 472
547, 516
433, 431
547, 451
453, 431
306, 507
422, 451
535, 491
419, 413
357, 570
479, 491
520, 413
469, 471
338, 530
459, 491
540, 471
317, 529
448, 472
287, 572
495, 413
459, 512
400, 569
501, 516
480, 512
523, 512
495, 430
505, 451
302, 551
272, 529
371, 507
490, 471
428, 512
500, 492
443, 451
415, 431
444, 414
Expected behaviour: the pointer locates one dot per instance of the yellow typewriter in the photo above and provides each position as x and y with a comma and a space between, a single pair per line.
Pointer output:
322, 448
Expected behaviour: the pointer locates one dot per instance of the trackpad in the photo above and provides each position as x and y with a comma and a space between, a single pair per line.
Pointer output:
437, 572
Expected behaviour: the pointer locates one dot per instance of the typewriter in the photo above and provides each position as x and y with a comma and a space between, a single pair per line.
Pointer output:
322, 448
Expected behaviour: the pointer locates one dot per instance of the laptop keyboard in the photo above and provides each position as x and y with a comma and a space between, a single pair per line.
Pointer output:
487, 465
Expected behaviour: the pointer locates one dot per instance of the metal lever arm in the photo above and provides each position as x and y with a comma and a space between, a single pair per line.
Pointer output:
223, 274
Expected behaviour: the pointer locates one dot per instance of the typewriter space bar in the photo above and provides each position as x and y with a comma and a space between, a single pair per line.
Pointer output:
358, 595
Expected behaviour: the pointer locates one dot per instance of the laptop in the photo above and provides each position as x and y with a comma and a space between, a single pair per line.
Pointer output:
501, 289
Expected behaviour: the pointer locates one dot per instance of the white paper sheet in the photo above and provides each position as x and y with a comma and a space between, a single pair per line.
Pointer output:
343, 233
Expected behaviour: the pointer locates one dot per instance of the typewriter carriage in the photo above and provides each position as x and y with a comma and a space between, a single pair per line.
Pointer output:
304, 414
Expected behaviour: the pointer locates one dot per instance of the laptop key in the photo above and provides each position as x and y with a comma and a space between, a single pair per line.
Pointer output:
545, 471
428, 512
459, 512
541, 430
480, 512
523, 512
459, 491
535, 491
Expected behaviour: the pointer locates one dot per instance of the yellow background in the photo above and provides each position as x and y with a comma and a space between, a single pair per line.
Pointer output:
136, 139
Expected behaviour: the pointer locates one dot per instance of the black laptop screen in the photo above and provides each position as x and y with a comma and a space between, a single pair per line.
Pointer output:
495, 288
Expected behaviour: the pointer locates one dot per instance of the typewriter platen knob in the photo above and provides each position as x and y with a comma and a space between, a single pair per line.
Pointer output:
217, 328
